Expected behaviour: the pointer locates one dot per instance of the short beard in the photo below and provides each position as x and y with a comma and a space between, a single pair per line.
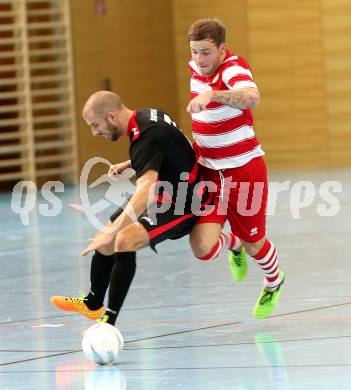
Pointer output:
114, 135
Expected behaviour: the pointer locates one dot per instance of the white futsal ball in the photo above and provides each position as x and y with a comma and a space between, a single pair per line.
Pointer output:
102, 343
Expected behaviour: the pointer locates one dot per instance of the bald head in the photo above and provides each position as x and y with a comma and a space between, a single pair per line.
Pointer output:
102, 102
106, 115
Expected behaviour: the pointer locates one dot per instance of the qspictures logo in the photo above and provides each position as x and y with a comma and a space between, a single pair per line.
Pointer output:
298, 196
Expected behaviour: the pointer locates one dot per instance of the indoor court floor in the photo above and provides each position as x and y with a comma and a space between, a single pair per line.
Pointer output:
186, 323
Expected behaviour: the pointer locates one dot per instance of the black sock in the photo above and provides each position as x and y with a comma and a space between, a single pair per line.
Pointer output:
112, 316
100, 271
122, 275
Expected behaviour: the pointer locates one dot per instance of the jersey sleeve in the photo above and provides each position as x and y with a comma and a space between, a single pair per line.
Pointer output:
238, 75
146, 154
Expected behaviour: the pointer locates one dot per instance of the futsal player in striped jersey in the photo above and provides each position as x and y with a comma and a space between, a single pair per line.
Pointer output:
223, 93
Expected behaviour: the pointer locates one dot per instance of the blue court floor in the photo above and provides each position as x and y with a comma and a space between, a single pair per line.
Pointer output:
186, 323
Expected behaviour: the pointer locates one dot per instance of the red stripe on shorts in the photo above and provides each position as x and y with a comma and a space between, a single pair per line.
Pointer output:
168, 226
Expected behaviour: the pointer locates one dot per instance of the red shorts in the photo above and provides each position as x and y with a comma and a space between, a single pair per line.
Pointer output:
239, 195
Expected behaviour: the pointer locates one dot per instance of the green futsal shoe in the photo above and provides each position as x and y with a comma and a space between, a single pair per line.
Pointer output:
238, 264
268, 300
103, 319
108, 317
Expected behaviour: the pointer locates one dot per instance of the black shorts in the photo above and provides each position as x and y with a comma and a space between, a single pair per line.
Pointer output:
163, 226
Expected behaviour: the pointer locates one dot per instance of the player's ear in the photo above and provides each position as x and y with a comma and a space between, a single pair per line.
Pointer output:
222, 47
110, 117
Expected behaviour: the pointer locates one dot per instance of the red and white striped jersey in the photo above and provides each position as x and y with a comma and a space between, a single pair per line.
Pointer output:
224, 135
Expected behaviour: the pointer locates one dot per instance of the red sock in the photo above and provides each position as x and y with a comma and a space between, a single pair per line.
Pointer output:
226, 241
267, 259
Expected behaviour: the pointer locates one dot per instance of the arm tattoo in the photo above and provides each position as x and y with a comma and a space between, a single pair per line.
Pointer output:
240, 98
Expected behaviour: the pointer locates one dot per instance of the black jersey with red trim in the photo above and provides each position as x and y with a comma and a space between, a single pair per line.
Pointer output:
158, 144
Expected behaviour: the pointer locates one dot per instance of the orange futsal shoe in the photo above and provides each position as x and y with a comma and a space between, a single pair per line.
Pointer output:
76, 305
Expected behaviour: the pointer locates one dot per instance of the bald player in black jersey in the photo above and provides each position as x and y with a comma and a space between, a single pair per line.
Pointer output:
159, 152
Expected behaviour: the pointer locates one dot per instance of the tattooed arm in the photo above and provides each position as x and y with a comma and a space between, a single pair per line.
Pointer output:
242, 98
239, 98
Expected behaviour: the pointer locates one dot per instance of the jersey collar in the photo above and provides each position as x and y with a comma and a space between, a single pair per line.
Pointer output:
131, 123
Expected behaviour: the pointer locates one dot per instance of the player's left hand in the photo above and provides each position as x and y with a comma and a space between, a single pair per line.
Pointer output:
200, 102
100, 240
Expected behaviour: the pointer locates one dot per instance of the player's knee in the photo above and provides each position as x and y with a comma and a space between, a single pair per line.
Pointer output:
124, 242
128, 240
252, 248
106, 250
200, 247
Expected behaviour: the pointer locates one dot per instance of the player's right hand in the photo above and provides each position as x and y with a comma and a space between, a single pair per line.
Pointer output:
118, 168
